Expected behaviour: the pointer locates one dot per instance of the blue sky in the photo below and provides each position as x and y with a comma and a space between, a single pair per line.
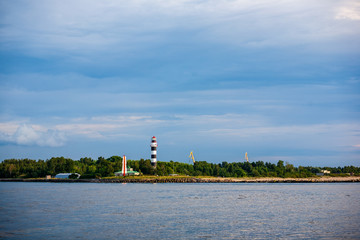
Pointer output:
276, 79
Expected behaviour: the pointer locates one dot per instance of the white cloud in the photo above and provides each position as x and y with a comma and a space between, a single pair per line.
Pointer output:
350, 11
91, 26
107, 126
31, 135
314, 136
211, 133
53, 134
277, 105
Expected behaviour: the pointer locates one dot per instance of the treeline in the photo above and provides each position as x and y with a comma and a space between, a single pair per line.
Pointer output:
90, 168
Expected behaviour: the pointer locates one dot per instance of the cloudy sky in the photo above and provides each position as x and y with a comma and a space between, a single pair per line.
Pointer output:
277, 79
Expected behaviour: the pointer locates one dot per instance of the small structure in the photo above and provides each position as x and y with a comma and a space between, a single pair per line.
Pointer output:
66, 175
128, 172
48, 176
323, 172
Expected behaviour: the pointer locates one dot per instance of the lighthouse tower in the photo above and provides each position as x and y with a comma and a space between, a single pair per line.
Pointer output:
153, 146
124, 168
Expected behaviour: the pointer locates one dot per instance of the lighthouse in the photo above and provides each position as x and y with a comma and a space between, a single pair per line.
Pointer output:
124, 168
153, 146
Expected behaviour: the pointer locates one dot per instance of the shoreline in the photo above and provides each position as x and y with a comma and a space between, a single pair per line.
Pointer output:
192, 180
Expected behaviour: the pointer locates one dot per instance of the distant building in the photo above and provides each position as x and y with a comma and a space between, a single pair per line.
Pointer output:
323, 172
66, 175
129, 172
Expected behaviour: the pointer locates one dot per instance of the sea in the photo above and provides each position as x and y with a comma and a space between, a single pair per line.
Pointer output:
41, 210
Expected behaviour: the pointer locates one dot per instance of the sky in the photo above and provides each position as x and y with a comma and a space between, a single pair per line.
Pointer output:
277, 79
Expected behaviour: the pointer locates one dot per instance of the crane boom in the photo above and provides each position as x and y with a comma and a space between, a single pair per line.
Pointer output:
192, 156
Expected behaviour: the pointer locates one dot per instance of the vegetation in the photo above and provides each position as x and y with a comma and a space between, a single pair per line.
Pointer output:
90, 168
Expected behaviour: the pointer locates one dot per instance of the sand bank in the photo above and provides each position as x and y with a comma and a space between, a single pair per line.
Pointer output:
185, 179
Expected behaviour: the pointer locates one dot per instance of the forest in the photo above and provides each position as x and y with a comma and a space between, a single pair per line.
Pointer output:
91, 168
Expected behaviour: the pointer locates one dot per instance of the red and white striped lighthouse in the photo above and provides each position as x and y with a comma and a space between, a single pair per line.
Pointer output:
124, 168
153, 146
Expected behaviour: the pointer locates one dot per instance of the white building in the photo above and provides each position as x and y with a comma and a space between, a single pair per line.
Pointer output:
66, 175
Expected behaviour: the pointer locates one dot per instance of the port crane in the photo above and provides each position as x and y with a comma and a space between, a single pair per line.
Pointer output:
192, 156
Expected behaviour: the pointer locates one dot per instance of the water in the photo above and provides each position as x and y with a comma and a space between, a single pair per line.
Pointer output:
179, 211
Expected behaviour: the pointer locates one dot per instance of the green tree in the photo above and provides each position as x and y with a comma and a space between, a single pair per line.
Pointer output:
240, 172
